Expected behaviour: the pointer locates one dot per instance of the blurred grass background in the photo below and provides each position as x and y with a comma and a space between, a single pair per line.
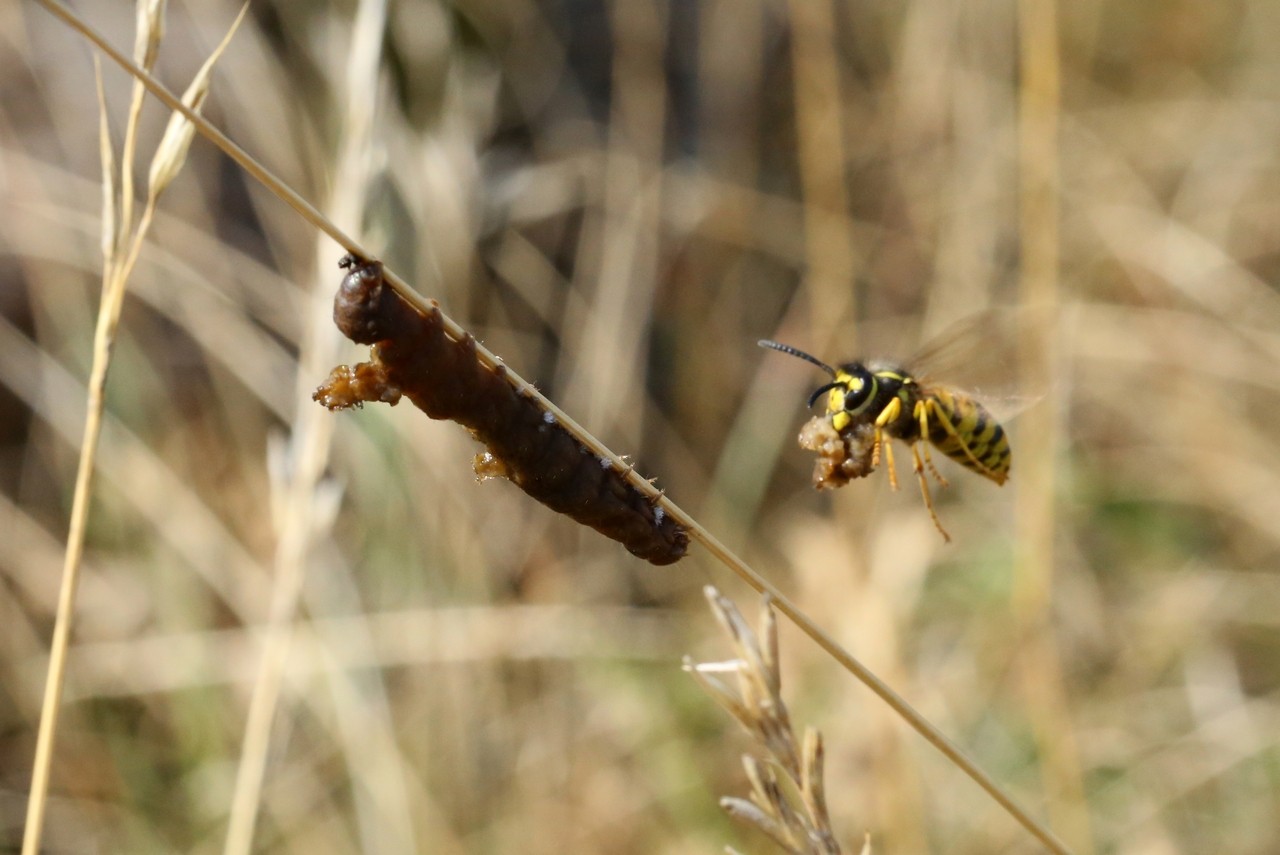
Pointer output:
619, 199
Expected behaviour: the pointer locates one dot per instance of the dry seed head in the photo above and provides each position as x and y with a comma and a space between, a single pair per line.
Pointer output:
172, 151
720, 691
748, 812
757, 703
148, 33
791, 807
812, 761
769, 649
768, 794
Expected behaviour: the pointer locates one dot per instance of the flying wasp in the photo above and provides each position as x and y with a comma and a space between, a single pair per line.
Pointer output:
869, 402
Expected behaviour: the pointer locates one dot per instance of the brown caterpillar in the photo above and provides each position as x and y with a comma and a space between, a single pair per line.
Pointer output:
412, 355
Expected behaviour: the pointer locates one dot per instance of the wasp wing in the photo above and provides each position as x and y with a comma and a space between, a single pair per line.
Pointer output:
984, 355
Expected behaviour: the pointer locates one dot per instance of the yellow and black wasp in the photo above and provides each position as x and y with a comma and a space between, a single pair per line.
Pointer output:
870, 401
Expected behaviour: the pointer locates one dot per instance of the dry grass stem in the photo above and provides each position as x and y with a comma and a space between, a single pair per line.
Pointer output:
304, 514
117, 228
1043, 681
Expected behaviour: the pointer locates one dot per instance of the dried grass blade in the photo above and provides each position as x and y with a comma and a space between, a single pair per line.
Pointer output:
110, 191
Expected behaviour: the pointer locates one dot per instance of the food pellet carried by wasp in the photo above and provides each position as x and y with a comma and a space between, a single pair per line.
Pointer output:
413, 356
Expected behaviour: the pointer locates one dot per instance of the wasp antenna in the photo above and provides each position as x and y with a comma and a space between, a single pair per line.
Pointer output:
788, 349
824, 389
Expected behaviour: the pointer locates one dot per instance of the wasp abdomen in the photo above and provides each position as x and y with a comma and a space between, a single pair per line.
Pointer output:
962, 429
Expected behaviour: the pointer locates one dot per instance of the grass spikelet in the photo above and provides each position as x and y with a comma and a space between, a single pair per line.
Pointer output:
172, 150
149, 32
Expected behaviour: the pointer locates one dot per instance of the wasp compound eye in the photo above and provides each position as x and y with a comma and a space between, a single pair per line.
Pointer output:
859, 387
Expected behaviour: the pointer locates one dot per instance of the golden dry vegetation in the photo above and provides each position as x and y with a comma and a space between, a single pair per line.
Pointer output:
620, 199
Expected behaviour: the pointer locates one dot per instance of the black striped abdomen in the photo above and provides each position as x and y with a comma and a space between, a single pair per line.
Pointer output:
972, 428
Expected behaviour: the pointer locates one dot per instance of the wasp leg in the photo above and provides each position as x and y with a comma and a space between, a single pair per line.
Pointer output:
922, 415
928, 461
918, 464
951, 429
888, 414
888, 458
